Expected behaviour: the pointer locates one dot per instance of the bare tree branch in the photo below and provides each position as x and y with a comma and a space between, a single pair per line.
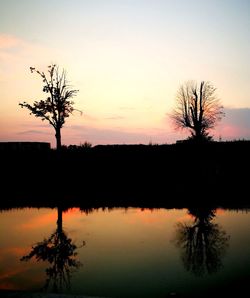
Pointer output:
197, 109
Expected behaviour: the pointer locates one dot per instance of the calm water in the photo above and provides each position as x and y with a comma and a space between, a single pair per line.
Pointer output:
124, 252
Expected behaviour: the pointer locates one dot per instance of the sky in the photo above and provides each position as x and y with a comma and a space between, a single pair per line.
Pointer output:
127, 58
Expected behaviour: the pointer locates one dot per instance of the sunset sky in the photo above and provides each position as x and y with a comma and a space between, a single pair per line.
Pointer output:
127, 58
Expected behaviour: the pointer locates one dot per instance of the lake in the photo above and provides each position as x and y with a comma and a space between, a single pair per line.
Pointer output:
125, 252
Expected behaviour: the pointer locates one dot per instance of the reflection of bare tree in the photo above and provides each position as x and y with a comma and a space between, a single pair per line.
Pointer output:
202, 243
61, 254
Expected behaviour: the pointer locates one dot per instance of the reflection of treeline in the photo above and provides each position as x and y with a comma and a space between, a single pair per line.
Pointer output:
131, 173
88, 210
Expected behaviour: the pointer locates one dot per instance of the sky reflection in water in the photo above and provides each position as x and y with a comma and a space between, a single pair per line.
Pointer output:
128, 253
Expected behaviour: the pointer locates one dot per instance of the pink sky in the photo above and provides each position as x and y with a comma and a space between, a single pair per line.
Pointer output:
128, 61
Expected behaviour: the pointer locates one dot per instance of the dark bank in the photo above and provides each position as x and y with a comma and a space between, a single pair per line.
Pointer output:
213, 173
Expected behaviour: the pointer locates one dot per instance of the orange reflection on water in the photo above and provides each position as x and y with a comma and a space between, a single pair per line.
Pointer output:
153, 216
142, 215
10, 278
40, 221
12, 251
7, 278
185, 217
71, 210
7, 285
116, 240
220, 211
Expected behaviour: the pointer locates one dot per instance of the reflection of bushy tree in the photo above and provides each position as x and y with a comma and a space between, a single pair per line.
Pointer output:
61, 254
202, 243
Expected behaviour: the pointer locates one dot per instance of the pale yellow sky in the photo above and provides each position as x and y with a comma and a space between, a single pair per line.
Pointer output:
127, 58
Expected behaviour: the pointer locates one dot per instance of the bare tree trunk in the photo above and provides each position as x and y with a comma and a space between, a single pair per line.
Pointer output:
58, 139
197, 134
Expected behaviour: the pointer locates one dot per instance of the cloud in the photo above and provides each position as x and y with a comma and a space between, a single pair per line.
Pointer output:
115, 117
116, 135
13, 49
43, 124
9, 41
239, 117
31, 132
235, 124
89, 117
17, 54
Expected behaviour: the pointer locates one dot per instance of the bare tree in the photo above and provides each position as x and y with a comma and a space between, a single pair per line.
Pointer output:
58, 104
203, 243
197, 109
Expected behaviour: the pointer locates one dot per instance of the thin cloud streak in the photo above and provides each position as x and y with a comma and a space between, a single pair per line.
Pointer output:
238, 116
9, 42
32, 132
115, 117
115, 136
235, 125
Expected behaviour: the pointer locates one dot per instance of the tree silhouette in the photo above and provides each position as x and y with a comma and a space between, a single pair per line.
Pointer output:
202, 243
197, 109
59, 251
58, 104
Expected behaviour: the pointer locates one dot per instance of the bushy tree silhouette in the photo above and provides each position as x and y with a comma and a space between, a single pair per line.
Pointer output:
59, 251
58, 104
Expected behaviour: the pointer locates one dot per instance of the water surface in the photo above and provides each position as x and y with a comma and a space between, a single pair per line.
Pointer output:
124, 252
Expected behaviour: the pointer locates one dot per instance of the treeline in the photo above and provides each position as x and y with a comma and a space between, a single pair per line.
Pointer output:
130, 175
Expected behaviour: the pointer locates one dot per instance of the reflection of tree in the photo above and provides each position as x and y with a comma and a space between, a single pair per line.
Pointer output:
61, 254
202, 243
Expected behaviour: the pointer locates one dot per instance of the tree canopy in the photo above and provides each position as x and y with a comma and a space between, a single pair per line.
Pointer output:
58, 105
